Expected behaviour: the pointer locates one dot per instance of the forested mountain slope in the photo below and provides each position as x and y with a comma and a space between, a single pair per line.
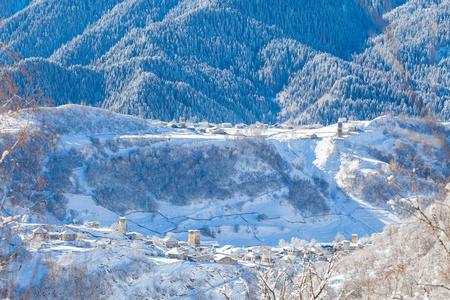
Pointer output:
236, 60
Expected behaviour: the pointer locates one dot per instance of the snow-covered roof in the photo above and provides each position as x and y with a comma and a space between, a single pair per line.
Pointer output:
68, 231
40, 230
134, 234
170, 239
175, 251
219, 257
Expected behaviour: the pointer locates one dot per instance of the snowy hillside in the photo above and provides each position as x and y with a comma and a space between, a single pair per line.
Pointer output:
242, 185
237, 61
267, 201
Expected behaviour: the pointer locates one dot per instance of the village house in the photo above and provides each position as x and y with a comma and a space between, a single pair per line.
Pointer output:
135, 236
291, 250
199, 257
235, 253
68, 235
53, 235
40, 233
170, 242
351, 245
225, 260
346, 245
189, 250
176, 253
328, 247
355, 244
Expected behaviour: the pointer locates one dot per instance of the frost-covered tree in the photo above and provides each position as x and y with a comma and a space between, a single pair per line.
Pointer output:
23, 144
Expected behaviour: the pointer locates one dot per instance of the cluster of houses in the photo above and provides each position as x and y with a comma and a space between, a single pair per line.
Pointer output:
197, 251
207, 127
43, 234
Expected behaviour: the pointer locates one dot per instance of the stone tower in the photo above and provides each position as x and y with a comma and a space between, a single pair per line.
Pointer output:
194, 237
339, 129
123, 225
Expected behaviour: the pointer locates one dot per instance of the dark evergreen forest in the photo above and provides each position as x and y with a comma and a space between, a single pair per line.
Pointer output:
238, 60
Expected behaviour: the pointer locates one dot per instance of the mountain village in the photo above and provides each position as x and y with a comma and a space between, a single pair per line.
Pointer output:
87, 237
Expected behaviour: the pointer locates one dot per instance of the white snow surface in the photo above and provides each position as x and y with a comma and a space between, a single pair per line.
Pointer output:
237, 219
324, 155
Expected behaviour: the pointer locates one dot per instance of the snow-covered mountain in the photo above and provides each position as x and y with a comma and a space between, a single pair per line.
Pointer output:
252, 191
237, 61
244, 185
